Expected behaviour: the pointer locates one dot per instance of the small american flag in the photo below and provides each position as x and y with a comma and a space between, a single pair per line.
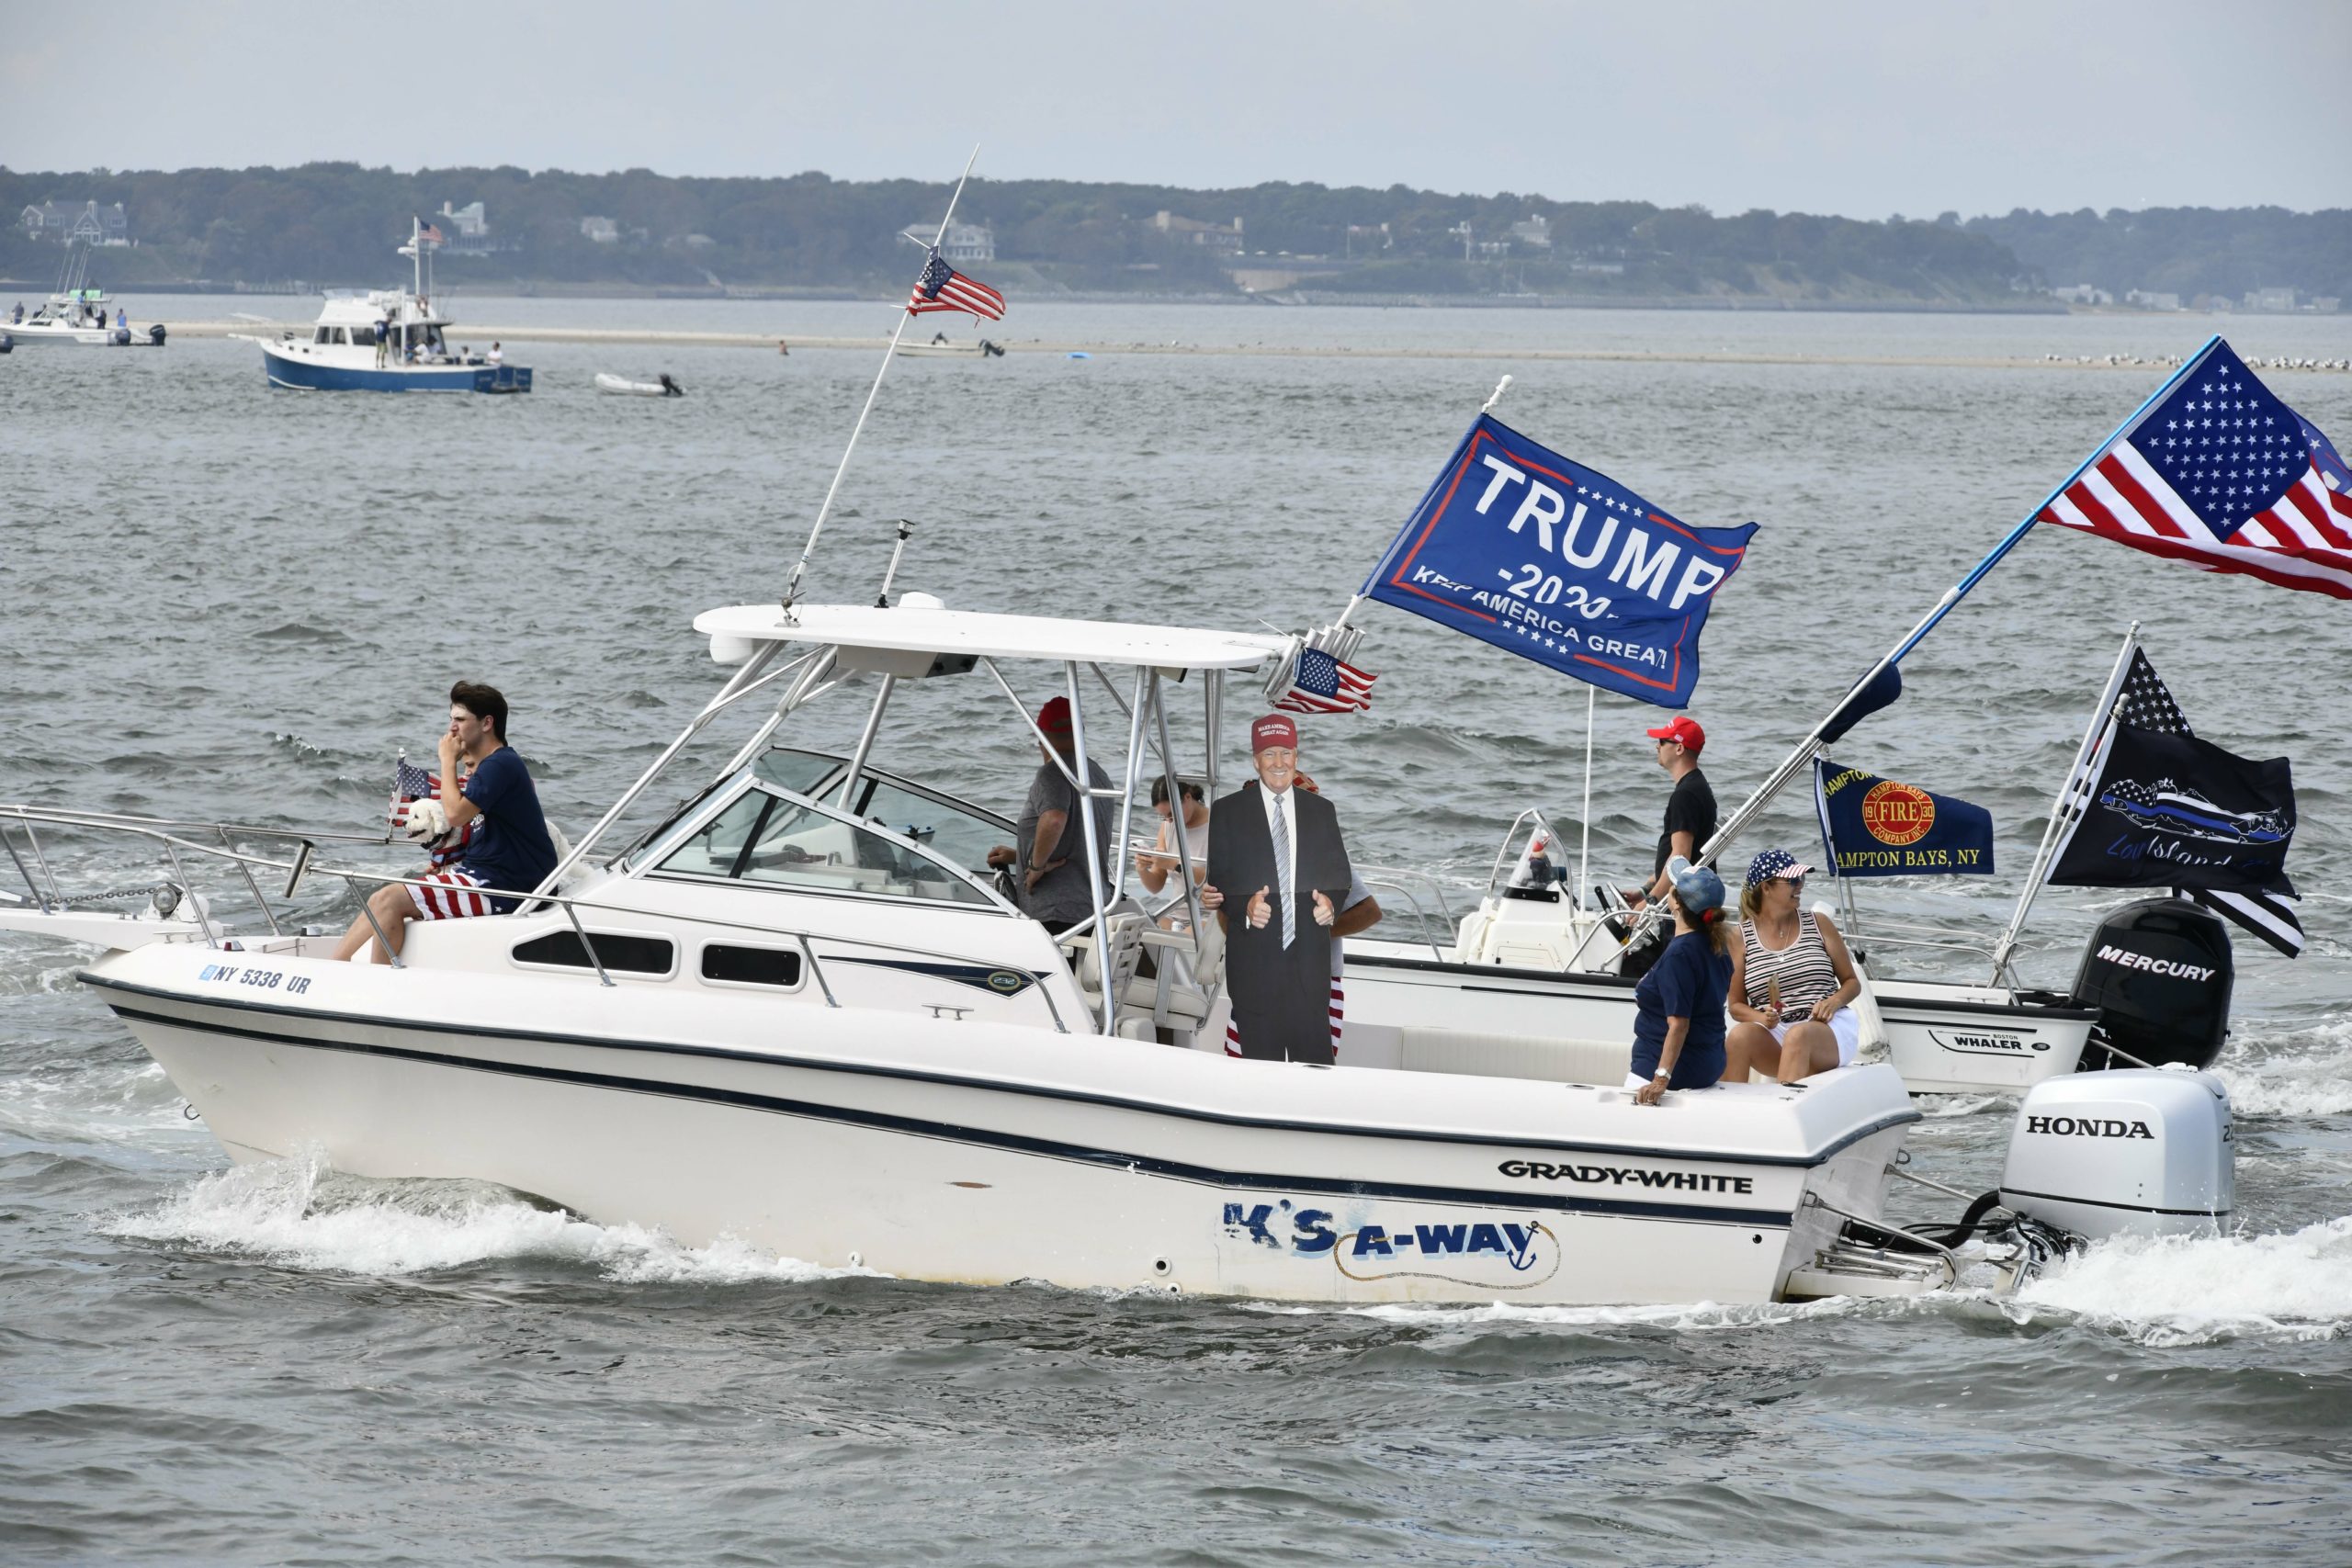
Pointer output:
942, 288
1323, 684
2146, 703
429, 232
2222, 475
409, 784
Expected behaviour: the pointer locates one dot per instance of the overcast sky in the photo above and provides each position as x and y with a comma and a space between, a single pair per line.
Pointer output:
1826, 106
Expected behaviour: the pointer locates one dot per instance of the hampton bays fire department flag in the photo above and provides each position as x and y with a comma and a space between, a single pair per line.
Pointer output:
1875, 827
1519, 546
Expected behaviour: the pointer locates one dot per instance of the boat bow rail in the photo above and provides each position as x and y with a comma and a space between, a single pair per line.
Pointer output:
50, 910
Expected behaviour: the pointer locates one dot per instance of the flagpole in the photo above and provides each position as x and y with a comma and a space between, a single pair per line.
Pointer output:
2102, 720
1807, 748
792, 584
1584, 813
1357, 598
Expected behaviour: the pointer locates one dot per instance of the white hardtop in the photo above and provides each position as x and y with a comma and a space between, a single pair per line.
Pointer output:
974, 634
382, 304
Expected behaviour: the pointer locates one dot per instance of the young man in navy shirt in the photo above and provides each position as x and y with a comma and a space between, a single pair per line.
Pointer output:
510, 852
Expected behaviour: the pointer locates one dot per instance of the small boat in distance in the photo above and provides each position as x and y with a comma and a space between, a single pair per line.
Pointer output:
387, 340
941, 346
75, 312
620, 385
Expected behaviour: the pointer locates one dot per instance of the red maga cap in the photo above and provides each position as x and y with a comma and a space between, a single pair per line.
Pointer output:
1682, 729
1054, 718
1274, 729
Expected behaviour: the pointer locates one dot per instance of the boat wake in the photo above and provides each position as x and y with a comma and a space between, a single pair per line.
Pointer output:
2165, 1291
304, 1214
2158, 1291
2305, 1073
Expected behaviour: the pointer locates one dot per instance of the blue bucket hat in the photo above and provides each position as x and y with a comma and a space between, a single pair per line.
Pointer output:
1696, 886
1772, 864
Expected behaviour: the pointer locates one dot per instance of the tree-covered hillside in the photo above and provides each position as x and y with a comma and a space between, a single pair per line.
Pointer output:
336, 225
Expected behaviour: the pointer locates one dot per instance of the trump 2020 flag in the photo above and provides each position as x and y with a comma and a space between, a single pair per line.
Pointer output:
1518, 547
2218, 472
1875, 827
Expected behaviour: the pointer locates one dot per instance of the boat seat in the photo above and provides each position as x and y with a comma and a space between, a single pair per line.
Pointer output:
1123, 925
1475, 1055
1161, 998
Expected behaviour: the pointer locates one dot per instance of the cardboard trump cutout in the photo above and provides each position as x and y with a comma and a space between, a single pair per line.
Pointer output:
1277, 858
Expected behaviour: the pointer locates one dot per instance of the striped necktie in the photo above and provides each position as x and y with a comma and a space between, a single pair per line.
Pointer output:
1282, 874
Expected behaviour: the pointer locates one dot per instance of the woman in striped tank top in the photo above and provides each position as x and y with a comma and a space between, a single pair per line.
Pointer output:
1791, 981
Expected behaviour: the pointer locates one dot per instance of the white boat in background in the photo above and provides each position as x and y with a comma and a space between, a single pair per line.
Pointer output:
943, 347
75, 313
622, 386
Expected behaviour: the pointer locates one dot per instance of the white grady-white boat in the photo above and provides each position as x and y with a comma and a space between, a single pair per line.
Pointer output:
76, 314
799, 1013
621, 386
387, 340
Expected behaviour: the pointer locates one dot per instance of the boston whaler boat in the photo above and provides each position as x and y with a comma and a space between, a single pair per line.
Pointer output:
385, 341
2152, 985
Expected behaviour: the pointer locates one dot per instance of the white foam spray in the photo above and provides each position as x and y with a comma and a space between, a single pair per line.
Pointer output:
302, 1214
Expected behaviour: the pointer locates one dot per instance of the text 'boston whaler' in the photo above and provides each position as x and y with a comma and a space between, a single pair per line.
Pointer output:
797, 1012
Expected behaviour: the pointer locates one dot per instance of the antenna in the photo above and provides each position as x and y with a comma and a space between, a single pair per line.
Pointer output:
906, 315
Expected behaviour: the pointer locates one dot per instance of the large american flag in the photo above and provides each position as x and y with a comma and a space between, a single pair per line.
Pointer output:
1323, 684
2222, 475
942, 288
2146, 703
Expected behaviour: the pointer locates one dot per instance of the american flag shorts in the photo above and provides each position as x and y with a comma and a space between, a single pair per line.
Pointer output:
452, 896
1339, 1021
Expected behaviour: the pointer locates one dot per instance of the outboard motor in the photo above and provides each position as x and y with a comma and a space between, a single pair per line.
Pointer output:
2128, 1151
155, 334
2159, 972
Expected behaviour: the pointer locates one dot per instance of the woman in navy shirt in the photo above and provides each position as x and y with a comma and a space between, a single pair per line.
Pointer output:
1678, 1006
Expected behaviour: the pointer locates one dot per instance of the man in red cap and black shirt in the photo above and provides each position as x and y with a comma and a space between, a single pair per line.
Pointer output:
1050, 866
1282, 870
1690, 809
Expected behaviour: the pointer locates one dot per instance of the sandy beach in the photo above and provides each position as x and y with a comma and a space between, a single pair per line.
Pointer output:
655, 338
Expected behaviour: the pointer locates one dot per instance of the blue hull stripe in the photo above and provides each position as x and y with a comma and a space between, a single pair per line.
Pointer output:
309, 376
863, 1069
1015, 1143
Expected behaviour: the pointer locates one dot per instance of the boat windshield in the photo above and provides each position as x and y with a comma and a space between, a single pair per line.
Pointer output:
765, 837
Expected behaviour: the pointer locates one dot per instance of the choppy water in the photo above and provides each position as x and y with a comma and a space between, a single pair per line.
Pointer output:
222, 601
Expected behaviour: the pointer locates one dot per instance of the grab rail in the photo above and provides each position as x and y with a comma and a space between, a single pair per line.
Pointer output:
352, 877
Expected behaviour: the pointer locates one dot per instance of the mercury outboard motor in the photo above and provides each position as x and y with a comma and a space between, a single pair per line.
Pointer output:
2126, 1151
2159, 973
155, 334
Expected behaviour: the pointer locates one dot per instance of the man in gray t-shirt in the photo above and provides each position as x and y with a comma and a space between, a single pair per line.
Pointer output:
1048, 864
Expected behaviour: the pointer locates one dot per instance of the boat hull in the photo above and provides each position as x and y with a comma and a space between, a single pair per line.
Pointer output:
309, 373
70, 337
1079, 1161
1943, 1039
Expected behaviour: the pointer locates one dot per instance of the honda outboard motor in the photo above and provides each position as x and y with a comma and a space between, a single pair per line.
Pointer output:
2159, 972
2126, 1151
